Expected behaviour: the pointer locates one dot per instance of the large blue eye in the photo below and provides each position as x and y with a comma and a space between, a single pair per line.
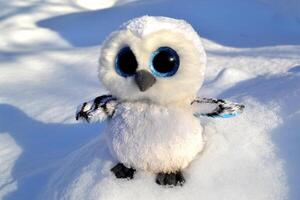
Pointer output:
165, 62
125, 63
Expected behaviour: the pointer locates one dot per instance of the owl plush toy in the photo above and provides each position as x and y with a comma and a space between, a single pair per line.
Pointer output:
153, 68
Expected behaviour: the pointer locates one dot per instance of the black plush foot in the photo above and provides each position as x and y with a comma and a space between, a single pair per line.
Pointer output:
121, 171
172, 179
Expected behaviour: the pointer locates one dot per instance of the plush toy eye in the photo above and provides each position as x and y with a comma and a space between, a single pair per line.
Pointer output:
125, 62
165, 62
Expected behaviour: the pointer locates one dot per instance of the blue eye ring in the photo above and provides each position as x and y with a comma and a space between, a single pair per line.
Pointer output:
125, 62
164, 62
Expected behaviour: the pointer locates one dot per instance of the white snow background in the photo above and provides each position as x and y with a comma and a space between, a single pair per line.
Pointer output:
48, 64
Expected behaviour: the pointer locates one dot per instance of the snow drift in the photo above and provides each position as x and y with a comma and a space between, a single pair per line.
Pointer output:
49, 51
238, 163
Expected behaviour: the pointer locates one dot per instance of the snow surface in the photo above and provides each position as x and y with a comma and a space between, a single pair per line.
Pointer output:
48, 63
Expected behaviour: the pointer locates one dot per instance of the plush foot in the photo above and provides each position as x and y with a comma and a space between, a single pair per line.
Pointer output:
121, 171
172, 179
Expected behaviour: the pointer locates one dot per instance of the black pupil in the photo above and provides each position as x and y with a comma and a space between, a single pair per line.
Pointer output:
126, 62
164, 61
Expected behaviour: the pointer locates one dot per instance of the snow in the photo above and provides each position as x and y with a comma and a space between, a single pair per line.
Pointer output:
94, 5
48, 64
9, 153
238, 164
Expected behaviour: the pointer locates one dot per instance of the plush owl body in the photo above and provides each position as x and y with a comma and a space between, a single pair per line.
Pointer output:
155, 138
153, 68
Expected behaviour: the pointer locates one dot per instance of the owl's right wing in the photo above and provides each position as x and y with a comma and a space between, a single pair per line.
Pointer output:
211, 107
98, 109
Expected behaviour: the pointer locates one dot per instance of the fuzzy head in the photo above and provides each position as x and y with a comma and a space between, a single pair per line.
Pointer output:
158, 59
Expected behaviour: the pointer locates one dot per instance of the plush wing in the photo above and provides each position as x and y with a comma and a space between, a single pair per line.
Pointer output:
211, 107
99, 109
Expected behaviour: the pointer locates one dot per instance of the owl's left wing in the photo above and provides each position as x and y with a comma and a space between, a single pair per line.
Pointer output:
211, 107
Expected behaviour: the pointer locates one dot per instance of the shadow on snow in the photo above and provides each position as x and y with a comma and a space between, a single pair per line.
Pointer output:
230, 22
44, 147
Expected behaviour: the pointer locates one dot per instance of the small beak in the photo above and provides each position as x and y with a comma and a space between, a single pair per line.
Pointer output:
144, 80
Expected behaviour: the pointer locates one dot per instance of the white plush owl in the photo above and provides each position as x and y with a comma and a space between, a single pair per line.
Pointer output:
153, 68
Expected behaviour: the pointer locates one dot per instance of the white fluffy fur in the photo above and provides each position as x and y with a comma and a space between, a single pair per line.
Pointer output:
155, 130
153, 137
178, 35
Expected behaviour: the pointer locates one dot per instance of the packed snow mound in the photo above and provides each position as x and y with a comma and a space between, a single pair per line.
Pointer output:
238, 163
